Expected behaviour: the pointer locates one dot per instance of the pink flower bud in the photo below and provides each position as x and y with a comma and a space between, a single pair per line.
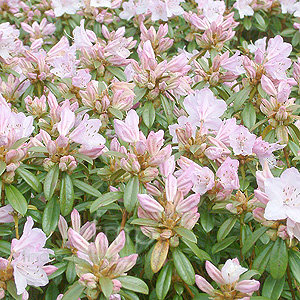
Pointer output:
75, 219
247, 286
117, 245
149, 204
203, 285
268, 86
214, 273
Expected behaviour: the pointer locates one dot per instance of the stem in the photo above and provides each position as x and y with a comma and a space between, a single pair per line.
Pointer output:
290, 282
286, 157
189, 290
16, 219
241, 234
124, 219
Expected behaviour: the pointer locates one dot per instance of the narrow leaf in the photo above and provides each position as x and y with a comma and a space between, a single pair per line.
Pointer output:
183, 267
16, 199
50, 182
130, 193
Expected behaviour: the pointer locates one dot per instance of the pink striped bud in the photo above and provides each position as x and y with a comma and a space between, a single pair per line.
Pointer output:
214, 273
203, 285
149, 204
247, 286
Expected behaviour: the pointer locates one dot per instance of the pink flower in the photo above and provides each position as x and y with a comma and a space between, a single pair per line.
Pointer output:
6, 214
29, 258
203, 180
128, 131
204, 109
242, 141
228, 174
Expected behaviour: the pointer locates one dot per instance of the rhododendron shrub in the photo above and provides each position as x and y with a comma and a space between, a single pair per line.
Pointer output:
149, 149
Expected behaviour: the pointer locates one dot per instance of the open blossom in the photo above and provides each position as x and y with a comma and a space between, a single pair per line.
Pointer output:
284, 196
242, 141
244, 8
204, 109
30, 257
228, 175
228, 278
8, 40
70, 7
273, 57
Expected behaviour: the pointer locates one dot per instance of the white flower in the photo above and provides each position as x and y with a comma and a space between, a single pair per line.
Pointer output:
232, 270
100, 3
70, 7
8, 37
284, 195
244, 8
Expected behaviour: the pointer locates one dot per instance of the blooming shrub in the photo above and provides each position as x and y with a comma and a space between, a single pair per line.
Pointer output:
149, 149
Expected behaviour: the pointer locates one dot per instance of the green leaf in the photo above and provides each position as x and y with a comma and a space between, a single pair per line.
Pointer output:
201, 254
86, 188
74, 291
239, 98
273, 288
16, 199
117, 113
50, 182
71, 272
294, 264
261, 21
207, 221
11, 288
3, 167
83, 157
53, 88
38, 149
279, 259
66, 197
105, 199
134, 284
5, 247
225, 228
115, 154
30, 179
183, 267
168, 108
118, 72
61, 268
187, 234
145, 222
251, 240
130, 193
148, 114
223, 244
249, 115
106, 286
128, 295
163, 282
262, 258
139, 93
247, 23
50, 216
